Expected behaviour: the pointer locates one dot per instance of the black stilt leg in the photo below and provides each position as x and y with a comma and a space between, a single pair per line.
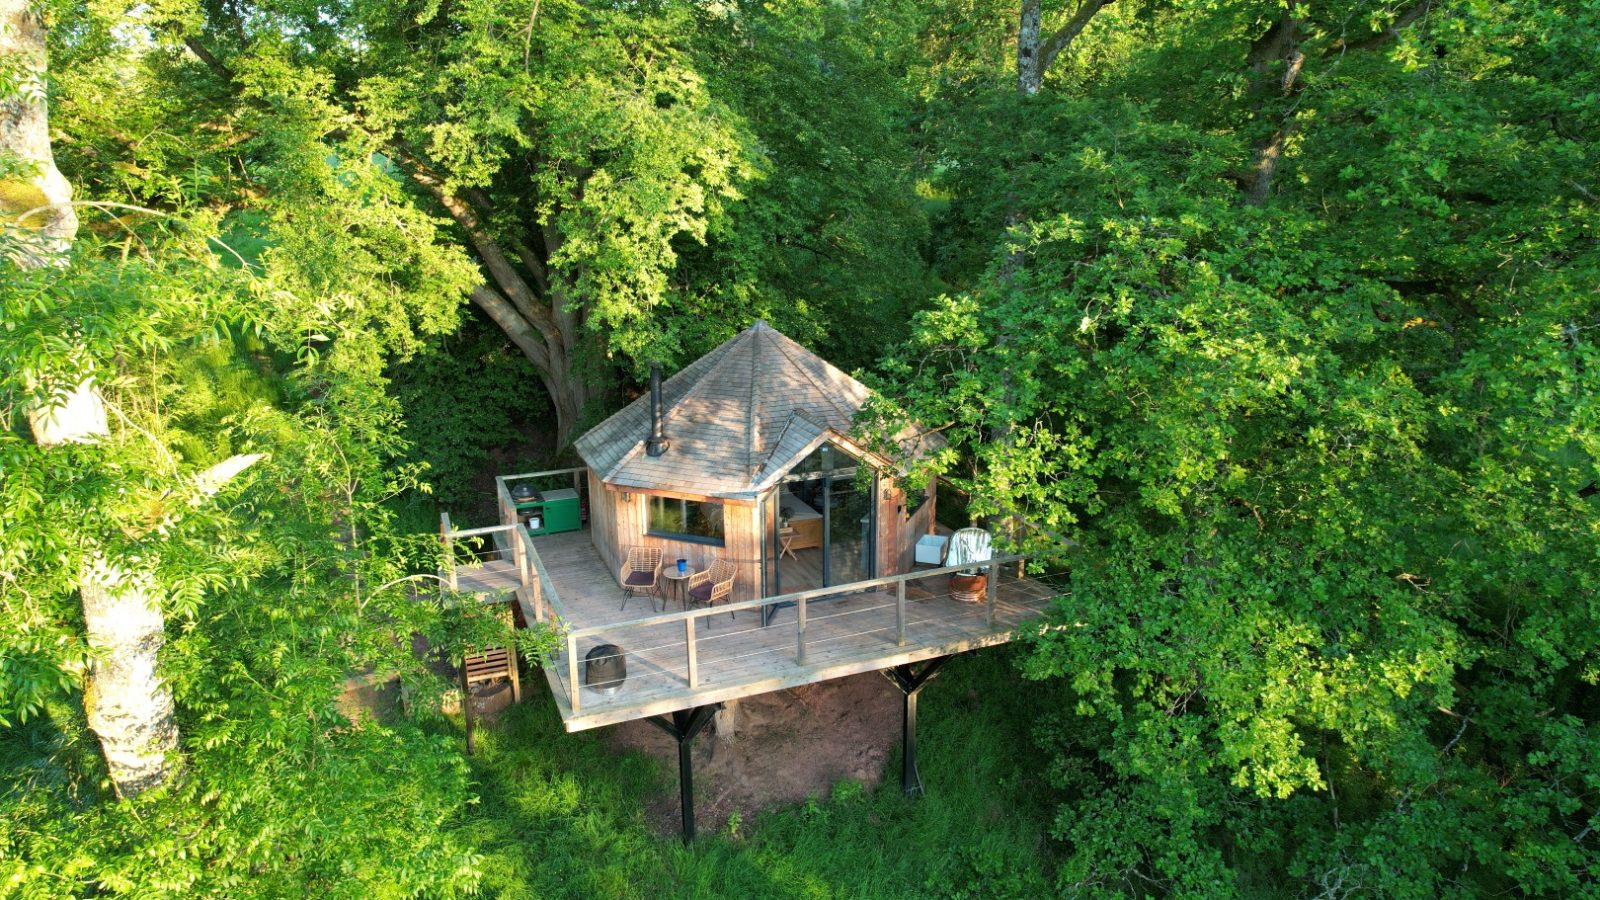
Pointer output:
684, 725
911, 680
910, 777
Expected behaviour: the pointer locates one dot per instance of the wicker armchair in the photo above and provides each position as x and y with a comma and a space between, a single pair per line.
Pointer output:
714, 585
641, 574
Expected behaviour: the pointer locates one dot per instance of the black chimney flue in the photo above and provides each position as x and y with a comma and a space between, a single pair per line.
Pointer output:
658, 443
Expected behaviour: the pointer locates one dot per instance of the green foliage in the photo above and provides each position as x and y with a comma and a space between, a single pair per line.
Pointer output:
561, 815
1329, 463
463, 397
827, 243
280, 587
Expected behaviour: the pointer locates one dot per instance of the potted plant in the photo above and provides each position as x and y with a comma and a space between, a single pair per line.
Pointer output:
968, 548
969, 585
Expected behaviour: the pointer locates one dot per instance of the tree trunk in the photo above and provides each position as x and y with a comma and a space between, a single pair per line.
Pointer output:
25, 135
1030, 74
526, 303
1280, 45
1036, 53
568, 395
127, 705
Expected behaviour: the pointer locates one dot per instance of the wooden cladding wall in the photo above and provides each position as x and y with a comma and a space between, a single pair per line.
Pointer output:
920, 523
891, 529
616, 524
603, 523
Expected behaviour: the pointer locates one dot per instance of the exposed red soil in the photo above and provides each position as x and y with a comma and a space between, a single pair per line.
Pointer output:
784, 747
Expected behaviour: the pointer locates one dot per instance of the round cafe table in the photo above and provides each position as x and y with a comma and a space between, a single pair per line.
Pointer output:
677, 583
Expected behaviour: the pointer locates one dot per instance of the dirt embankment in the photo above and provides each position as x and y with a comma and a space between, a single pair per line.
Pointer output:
781, 748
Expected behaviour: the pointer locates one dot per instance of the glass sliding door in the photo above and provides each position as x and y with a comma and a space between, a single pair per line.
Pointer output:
826, 524
850, 531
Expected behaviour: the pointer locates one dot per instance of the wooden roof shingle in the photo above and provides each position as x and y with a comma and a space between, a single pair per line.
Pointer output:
738, 418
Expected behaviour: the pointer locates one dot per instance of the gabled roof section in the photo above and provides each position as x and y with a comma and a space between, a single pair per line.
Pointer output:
737, 418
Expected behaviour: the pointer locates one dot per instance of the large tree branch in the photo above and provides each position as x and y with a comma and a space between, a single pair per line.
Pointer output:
516, 327
1402, 21
1281, 43
1069, 32
204, 54
526, 302
525, 254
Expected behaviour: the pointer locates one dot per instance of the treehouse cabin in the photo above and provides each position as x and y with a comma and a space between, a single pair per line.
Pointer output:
725, 538
801, 558
744, 456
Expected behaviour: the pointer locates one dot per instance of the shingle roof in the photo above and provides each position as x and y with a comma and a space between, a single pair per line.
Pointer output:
738, 419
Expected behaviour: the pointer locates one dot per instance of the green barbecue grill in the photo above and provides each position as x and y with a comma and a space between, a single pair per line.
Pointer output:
548, 512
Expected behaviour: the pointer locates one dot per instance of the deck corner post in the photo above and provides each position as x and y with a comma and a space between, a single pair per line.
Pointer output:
900, 612
573, 688
800, 633
691, 653
989, 593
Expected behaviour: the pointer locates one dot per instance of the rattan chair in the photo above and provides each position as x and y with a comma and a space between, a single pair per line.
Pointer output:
641, 574
714, 585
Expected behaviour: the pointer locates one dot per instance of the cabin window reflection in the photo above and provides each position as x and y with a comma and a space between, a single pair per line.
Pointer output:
686, 520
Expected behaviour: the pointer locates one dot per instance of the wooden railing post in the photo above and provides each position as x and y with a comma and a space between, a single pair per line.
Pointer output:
900, 612
519, 552
449, 548
573, 688
508, 512
539, 614
800, 633
994, 585
694, 666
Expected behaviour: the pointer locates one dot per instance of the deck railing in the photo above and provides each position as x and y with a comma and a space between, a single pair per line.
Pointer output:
533, 581
450, 535
547, 604
681, 659
502, 488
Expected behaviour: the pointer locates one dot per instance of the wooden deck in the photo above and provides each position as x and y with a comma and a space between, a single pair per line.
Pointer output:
678, 660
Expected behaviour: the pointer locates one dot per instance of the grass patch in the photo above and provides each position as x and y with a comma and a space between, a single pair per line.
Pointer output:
559, 815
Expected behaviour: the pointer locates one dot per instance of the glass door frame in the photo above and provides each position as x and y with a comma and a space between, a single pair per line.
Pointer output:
773, 553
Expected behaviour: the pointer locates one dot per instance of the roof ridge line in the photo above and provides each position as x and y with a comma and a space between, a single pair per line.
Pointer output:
727, 349
752, 422
822, 389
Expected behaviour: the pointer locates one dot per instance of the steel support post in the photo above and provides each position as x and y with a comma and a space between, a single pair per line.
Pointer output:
911, 680
684, 726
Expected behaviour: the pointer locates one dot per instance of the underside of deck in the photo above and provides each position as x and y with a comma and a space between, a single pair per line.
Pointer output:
677, 660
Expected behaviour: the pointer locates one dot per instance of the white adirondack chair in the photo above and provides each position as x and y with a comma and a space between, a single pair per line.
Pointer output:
969, 547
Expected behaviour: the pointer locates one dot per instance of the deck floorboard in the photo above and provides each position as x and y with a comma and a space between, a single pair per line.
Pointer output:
739, 657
